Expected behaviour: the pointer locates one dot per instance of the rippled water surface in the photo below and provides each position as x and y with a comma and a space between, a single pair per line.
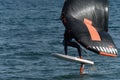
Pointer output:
30, 30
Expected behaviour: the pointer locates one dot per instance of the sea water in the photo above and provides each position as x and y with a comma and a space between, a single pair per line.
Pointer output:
30, 30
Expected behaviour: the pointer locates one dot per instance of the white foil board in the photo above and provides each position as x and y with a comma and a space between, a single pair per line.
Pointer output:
72, 59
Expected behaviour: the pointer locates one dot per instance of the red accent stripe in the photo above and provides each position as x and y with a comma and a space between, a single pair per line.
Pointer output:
93, 32
107, 54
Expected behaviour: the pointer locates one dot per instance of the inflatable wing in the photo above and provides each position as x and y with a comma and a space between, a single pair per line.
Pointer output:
88, 21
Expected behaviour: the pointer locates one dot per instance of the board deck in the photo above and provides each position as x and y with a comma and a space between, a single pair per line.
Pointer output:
72, 59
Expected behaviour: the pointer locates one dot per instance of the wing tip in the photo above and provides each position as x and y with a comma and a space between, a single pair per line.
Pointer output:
105, 51
108, 54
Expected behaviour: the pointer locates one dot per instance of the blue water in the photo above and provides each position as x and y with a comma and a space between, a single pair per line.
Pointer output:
30, 30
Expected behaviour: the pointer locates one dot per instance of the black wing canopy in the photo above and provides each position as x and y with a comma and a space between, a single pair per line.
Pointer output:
88, 20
